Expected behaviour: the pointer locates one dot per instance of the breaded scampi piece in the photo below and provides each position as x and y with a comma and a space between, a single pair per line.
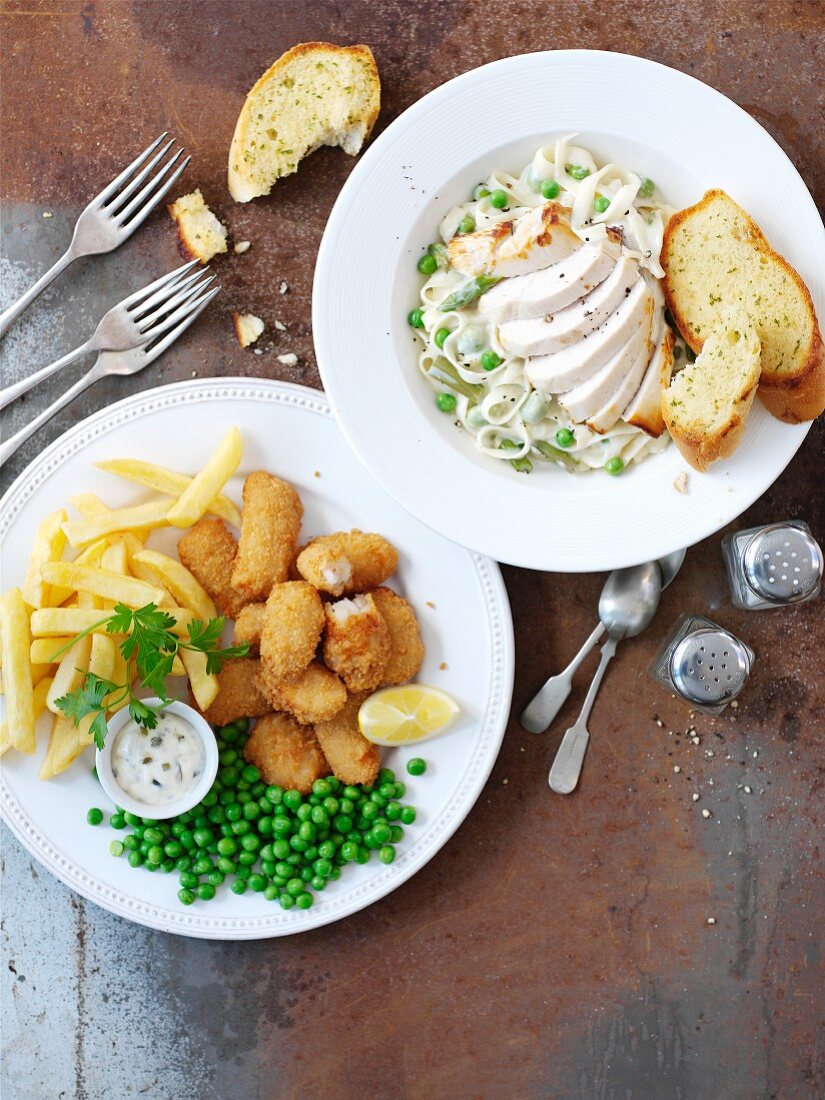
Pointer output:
406, 647
208, 552
270, 525
239, 695
292, 625
352, 758
248, 626
286, 753
347, 562
316, 696
356, 642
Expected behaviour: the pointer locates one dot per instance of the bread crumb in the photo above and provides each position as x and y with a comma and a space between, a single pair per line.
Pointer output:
241, 247
199, 231
711, 920
248, 328
289, 360
48, 214
681, 482
280, 326
706, 814
443, 666
284, 287
317, 473
430, 604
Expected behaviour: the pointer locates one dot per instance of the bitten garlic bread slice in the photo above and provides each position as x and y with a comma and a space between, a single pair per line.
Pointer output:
707, 403
201, 234
315, 94
715, 256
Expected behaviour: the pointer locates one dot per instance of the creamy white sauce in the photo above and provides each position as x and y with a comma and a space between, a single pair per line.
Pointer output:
158, 766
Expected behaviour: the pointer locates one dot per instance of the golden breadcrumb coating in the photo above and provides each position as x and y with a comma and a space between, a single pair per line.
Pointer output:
356, 642
286, 753
292, 625
352, 758
406, 647
248, 625
271, 523
239, 695
347, 562
208, 552
315, 696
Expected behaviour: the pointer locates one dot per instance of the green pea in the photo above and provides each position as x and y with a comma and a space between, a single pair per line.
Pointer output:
327, 850
292, 800
280, 849
646, 187
188, 880
240, 828
349, 851
565, 438
446, 402
251, 810
480, 191
386, 854
228, 866
400, 790
272, 892
116, 848
318, 883
393, 810
172, 849
304, 812
441, 335
94, 816
416, 766
415, 318
186, 897
549, 189
239, 886
614, 466
396, 834
321, 788
498, 199
134, 859
202, 865
275, 795
131, 819
250, 843
247, 858
490, 360
206, 891
381, 834
117, 821
257, 883
577, 171
304, 901
408, 815
155, 854
131, 842
427, 264
601, 203
467, 224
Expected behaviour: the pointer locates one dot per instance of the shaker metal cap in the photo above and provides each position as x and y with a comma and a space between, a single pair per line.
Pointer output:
783, 563
710, 666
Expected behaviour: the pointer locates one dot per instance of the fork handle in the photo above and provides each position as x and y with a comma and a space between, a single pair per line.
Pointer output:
10, 315
11, 393
567, 766
9, 446
548, 701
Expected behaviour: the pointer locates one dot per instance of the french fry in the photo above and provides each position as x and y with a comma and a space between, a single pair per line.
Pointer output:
53, 622
80, 532
49, 542
166, 481
90, 505
68, 741
204, 684
17, 675
70, 672
42, 650
115, 558
92, 555
38, 704
157, 568
207, 484
103, 583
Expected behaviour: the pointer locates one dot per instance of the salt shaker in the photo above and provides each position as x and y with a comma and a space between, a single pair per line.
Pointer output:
704, 663
773, 566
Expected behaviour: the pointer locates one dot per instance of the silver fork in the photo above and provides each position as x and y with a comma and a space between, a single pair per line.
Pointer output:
111, 363
111, 217
142, 316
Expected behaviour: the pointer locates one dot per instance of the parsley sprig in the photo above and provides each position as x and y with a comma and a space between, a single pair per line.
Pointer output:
149, 648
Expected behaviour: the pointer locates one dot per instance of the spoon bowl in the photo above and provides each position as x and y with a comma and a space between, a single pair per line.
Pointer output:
629, 599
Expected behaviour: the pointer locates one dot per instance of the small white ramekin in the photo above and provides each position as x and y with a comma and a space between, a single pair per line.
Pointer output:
103, 763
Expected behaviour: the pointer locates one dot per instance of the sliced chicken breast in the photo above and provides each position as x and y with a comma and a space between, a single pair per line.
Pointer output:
603, 420
545, 335
645, 408
587, 398
531, 242
550, 290
575, 365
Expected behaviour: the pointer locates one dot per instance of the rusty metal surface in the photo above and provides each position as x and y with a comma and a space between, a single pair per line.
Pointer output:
556, 948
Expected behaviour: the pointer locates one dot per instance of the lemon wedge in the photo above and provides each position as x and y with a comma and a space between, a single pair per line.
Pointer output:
405, 715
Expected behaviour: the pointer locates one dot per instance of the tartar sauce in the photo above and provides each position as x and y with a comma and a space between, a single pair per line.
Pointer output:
158, 766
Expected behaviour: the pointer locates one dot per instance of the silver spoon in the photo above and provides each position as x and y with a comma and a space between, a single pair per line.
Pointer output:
628, 602
548, 701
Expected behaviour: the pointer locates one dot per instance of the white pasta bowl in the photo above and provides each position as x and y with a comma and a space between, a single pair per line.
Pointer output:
668, 126
103, 764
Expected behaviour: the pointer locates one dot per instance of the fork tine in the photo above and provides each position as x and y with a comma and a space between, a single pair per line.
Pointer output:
182, 311
179, 298
152, 349
122, 197
141, 217
145, 194
165, 280
118, 181
163, 294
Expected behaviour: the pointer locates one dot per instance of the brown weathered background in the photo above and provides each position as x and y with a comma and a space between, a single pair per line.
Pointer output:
556, 949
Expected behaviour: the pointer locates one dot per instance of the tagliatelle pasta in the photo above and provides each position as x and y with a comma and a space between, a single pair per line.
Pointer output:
462, 352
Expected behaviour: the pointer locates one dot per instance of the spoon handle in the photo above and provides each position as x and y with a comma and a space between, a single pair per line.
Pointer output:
567, 766
548, 701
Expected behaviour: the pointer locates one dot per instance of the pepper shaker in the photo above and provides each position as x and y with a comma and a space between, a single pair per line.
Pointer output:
772, 566
703, 663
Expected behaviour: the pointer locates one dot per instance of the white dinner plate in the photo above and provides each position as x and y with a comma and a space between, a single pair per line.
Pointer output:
458, 596
685, 136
